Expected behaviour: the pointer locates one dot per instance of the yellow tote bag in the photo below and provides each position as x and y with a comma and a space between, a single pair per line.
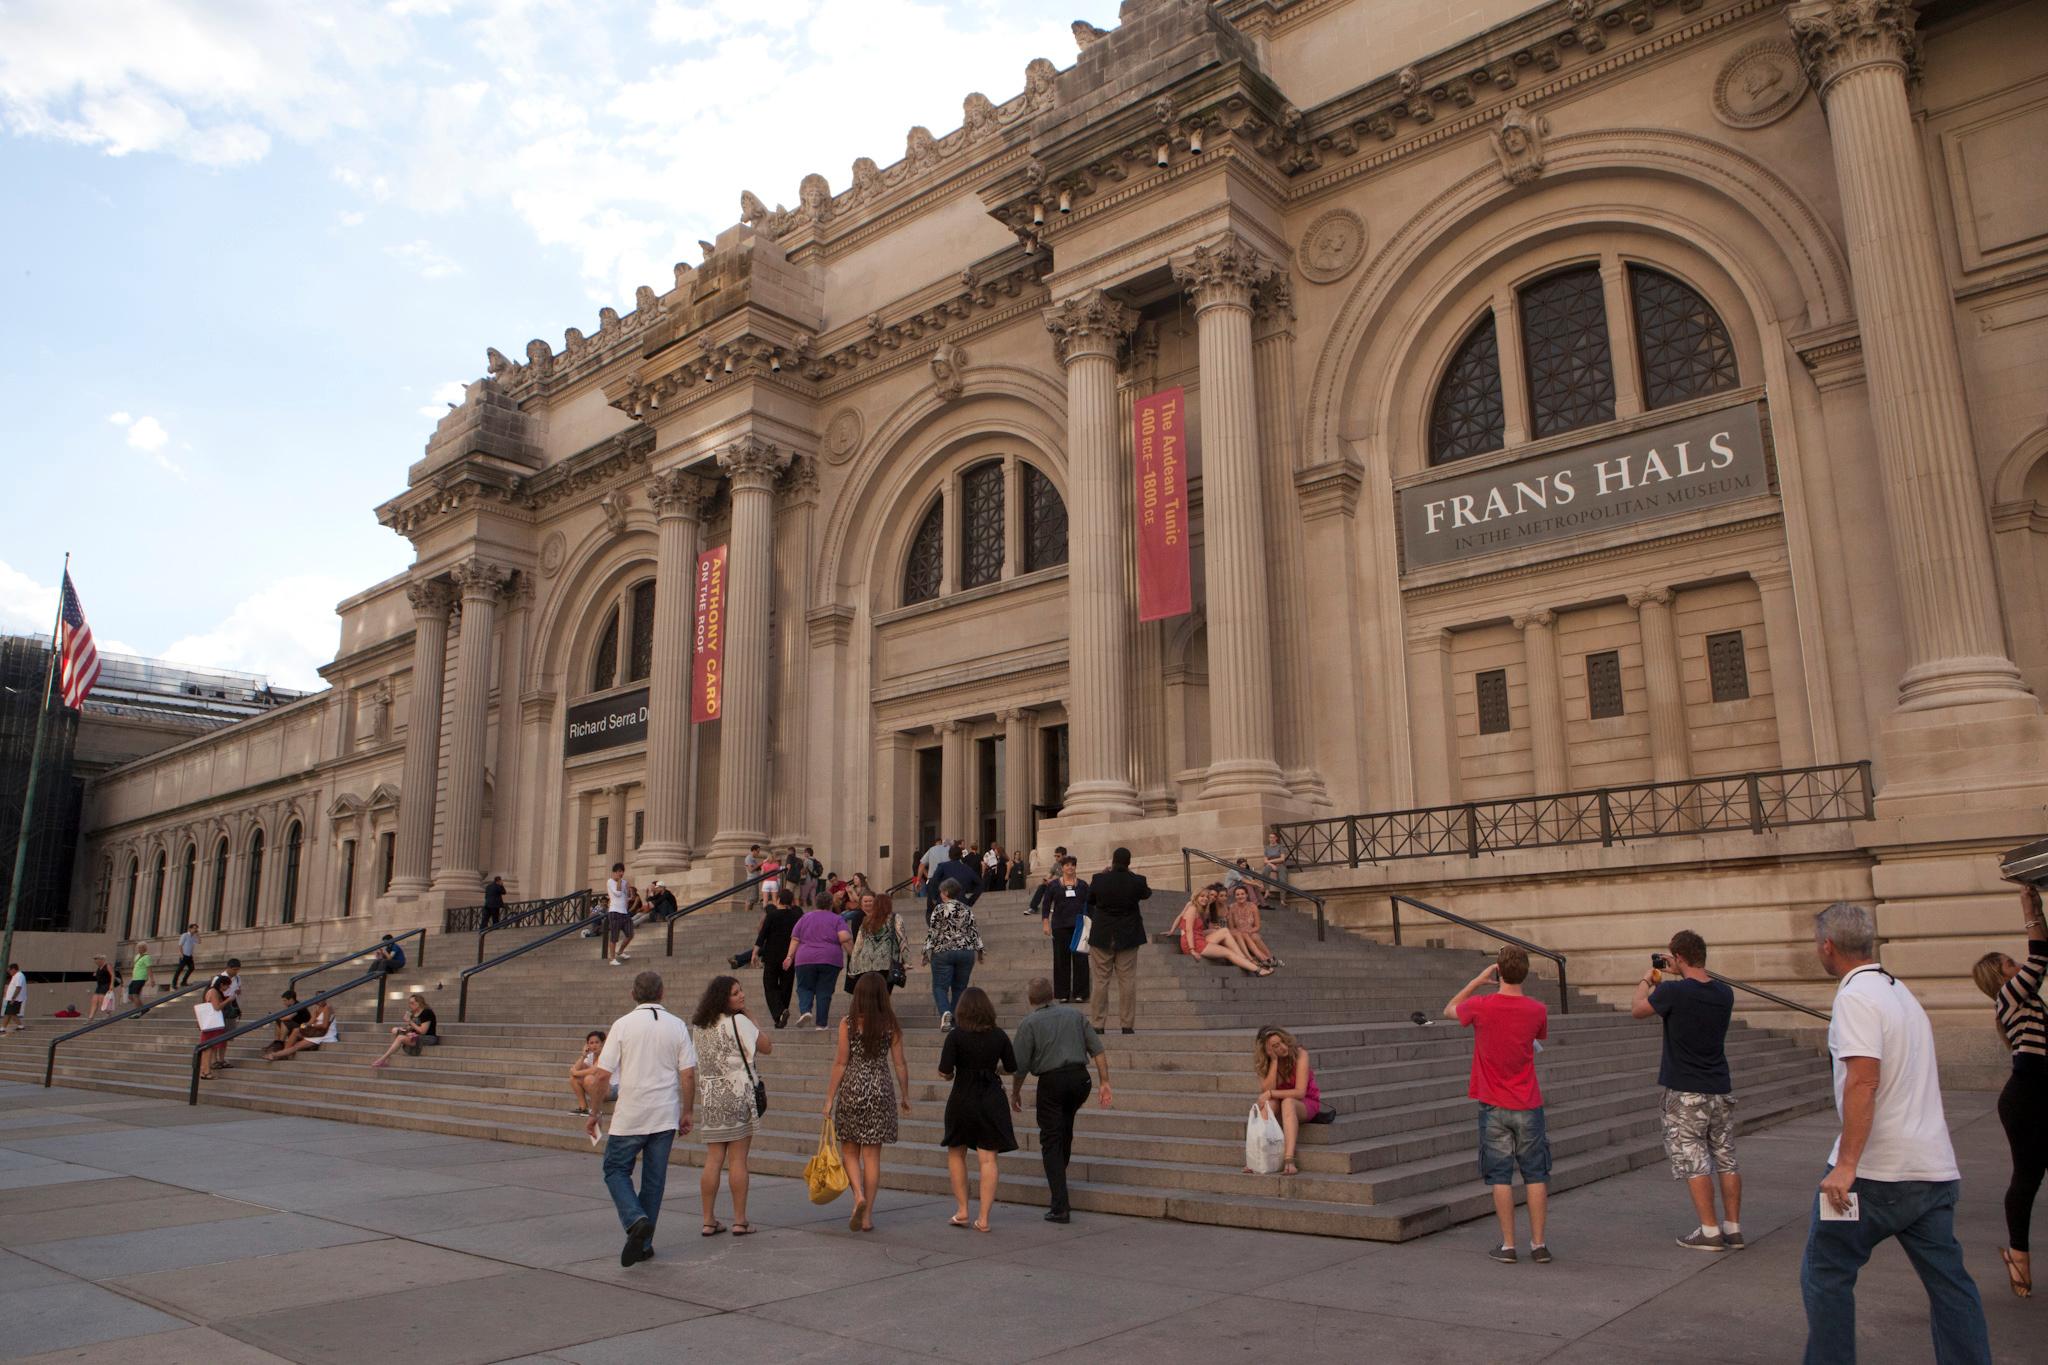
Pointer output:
824, 1173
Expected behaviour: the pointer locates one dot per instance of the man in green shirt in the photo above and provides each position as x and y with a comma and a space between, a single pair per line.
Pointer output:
1055, 1043
139, 982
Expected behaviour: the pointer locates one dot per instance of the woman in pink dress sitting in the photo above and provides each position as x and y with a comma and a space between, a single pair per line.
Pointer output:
1201, 936
1287, 1087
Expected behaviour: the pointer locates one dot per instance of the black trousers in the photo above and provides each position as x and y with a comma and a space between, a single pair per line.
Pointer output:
1069, 968
776, 984
182, 974
1061, 1094
2023, 1111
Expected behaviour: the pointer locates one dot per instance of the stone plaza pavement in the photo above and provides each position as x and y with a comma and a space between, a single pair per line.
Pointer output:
150, 1233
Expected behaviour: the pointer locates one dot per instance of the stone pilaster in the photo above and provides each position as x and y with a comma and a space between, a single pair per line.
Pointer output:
1221, 278
1434, 709
1788, 665
678, 499
1088, 331
754, 465
1017, 734
1547, 752
618, 848
1670, 742
952, 780
482, 583
1858, 55
413, 870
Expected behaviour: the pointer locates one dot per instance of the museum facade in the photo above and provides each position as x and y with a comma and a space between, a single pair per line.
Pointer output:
1623, 407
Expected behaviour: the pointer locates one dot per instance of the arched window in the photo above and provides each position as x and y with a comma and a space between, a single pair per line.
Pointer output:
1045, 522
185, 888
220, 883
1468, 416
156, 893
253, 880
640, 659
1684, 349
1565, 351
134, 883
625, 643
604, 671
288, 909
981, 524
926, 568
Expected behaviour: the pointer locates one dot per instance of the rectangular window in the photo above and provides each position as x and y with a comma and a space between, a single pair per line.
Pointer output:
604, 834
1493, 701
1603, 685
1728, 666
348, 876
386, 854
639, 828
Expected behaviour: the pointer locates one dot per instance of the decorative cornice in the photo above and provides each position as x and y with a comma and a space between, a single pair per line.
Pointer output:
1089, 323
1836, 37
677, 493
1834, 359
1330, 489
831, 626
1223, 274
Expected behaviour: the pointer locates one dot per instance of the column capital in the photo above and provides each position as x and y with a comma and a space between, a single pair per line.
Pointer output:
430, 597
800, 478
1429, 637
753, 463
946, 727
1638, 596
677, 493
1225, 273
1539, 618
1013, 715
1836, 37
1090, 323
481, 579
1769, 576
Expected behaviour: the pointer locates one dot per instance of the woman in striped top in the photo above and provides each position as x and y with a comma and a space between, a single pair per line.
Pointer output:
2015, 989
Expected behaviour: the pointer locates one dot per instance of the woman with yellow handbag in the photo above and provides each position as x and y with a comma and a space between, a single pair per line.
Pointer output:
860, 1102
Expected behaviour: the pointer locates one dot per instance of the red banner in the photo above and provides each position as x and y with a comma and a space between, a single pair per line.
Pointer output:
1160, 440
707, 674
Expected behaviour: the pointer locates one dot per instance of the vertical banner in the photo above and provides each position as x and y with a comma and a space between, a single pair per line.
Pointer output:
707, 672
1159, 439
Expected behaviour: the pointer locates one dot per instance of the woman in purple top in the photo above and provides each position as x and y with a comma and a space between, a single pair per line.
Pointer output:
817, 949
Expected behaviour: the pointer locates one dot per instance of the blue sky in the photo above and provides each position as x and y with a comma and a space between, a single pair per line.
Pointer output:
249, 247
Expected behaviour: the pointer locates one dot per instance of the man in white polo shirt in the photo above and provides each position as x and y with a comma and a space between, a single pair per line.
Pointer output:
1893, 1171
647, 1051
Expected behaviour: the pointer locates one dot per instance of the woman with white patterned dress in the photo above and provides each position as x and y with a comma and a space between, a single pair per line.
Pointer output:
727, 1042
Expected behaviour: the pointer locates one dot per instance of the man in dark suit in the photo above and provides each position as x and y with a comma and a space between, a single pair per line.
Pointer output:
956, 868
1116, 932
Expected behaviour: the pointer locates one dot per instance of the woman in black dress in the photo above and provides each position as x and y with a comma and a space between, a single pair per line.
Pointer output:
977, 1114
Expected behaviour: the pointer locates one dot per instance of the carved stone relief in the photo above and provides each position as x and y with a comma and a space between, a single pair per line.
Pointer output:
1332, 247
949, 371
1760, 84
1518, 144
842, 435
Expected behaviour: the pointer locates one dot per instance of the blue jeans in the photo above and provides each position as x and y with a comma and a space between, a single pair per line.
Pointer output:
1921, 1214
652, 1149
950, 972
814, 983
1512, 1138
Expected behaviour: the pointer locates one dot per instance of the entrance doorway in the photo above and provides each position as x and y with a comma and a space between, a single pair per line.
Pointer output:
1053, 770
930, 778
988, 789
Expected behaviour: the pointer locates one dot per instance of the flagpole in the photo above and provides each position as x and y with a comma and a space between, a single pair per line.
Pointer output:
35, 767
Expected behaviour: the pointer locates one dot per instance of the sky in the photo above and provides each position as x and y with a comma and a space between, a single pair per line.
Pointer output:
250, 250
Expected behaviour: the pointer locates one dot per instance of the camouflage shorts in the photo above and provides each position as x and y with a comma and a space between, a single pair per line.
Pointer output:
1699, 1133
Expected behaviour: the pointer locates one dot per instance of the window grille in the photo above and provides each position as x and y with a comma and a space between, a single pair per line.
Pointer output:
1565, 351
1045, 522
640, 660
220, 885
925, 571
1728, 666
1603, 685
288, 905
981, 524
604, 670
255, 880
1467, 416
1683, 346
604, 833
1493, 701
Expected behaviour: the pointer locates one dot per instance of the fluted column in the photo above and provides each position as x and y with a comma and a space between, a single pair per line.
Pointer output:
1858, 55
1670, 740
1221, 279
678, 499
1088, 330
617, 846
753, 466
952, 780
482, 584
1546, 701
414, 873
1017, 727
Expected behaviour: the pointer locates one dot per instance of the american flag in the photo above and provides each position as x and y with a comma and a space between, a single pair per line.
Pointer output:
80, 661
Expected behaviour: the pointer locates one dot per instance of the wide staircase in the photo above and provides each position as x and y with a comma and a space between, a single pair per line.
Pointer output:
1397, 1162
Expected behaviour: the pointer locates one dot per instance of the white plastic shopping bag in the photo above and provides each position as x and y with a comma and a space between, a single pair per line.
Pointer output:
1263, 1142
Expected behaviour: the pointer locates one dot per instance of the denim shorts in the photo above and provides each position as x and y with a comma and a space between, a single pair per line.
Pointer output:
1511, 1139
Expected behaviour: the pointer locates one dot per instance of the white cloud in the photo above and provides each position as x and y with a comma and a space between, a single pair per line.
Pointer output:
286, 630
120, 419
148, 435
442, 398
25, 605
350, 218
421, 257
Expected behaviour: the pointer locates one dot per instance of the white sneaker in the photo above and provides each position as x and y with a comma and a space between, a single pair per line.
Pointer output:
803, 1019
625, 957
946, 1022
615, 962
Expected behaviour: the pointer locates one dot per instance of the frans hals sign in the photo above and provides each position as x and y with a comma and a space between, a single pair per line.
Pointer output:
1700, 461
606, 723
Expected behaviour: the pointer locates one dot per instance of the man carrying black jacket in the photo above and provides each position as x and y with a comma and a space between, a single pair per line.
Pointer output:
1062, 903
955, 868
1116, 932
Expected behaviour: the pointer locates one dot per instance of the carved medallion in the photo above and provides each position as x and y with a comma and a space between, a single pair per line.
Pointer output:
1760, 84
552, 552
842, 435
1332, 247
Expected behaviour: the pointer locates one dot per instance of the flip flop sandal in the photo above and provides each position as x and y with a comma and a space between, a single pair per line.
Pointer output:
742, 1229
713, 1229
2021, 1277
860, 1207
958, 1222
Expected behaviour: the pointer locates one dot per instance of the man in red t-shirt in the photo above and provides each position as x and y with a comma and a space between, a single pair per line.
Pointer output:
1506, 1027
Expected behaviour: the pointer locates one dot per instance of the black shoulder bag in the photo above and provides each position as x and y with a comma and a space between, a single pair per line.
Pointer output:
760, 1086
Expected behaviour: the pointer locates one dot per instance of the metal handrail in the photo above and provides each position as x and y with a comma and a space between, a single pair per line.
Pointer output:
694, 906
533, 908
575, 926
420, 960
1775, 999
1564, 992
466, 919
1285, 888
192, 1095
903, 885
50, 1061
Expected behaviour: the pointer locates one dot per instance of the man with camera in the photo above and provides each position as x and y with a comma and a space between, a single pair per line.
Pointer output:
1699, 1104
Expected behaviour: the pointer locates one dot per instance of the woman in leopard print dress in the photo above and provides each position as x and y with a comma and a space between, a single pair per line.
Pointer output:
860, 1098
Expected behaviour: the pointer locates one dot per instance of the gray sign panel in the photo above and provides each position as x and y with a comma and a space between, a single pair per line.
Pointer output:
1698, 461
606, 723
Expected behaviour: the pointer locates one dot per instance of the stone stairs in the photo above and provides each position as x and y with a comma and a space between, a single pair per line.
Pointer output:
1397, 1162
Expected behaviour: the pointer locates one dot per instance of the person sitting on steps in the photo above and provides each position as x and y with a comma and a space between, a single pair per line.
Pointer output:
1287, 1088
1241, 915
1200, 938
322, 1028
583, 1079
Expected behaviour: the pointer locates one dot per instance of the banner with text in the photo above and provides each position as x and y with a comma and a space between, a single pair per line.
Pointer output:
1159, 434
707, 673
1693, 463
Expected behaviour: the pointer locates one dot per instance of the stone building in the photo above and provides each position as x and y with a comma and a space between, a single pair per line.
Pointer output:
1614, 468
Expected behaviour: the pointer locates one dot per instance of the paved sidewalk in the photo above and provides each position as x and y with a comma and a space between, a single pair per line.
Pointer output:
144, 1231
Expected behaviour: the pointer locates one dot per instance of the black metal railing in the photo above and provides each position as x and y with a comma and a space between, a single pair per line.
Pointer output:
50, 1060
419, 957
1779, 799
1285, 888
192, 1094
469, 919
573, 908
694, 906
1774, 998
901, 886
1564, 990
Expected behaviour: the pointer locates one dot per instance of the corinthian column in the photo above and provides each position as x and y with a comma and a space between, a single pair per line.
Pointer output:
482, 583
413, 863
1221, 279
678, 499
1546, 702
1088, 330
753, 466
1670, 743
1858, 55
